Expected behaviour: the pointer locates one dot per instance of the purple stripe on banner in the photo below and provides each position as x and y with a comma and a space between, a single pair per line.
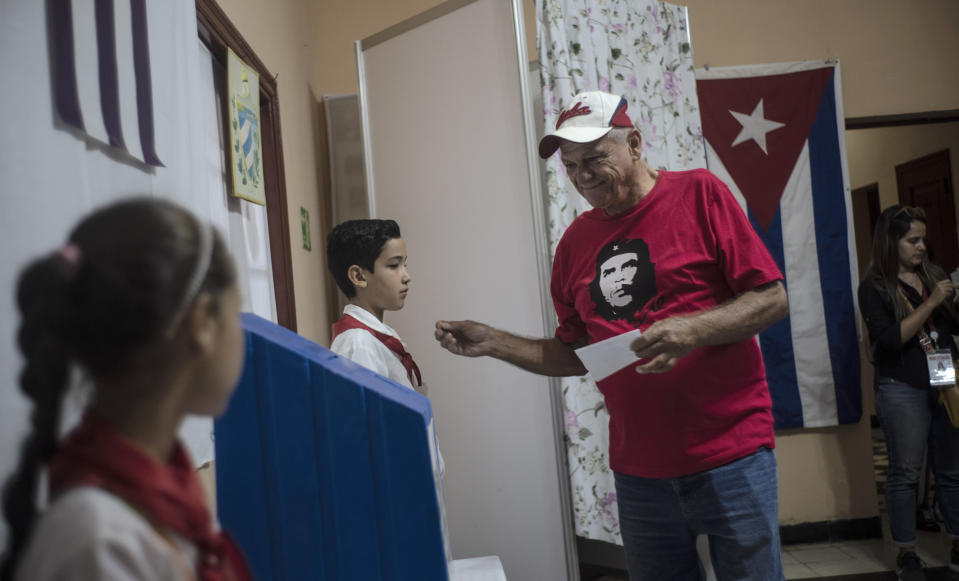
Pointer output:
66, 97
109, 86
141, 65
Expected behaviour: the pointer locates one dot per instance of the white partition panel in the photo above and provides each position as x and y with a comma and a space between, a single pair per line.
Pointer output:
449, 159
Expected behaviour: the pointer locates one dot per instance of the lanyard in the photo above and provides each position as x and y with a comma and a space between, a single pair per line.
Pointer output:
926, 340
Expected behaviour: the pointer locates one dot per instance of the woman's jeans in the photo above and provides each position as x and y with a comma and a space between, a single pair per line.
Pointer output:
734, 504
911, 418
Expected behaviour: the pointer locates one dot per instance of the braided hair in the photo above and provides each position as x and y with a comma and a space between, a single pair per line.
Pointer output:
110, 292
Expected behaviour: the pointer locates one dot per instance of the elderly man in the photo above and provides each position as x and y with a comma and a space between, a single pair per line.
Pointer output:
691, 428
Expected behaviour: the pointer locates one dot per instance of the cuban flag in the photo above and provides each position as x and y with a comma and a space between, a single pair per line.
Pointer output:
101, 73
774, 134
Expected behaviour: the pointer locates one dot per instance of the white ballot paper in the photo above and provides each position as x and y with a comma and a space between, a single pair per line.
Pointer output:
606, 357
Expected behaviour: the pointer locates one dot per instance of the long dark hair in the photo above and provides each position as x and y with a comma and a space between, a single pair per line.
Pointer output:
114, 288
883, 271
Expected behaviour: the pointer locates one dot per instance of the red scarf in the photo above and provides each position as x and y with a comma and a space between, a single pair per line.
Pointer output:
167, 495
348, 322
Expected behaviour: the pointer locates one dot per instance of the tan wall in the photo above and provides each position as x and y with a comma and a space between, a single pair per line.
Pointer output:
874, 153
727, 33
279, 32
823, 473
339, 24
336, 26
896, 57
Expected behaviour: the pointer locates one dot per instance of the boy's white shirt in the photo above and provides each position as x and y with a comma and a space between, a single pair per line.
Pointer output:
88, 533
360, 346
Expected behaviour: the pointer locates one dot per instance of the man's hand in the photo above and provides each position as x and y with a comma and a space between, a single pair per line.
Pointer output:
548, 356
467, 338
663, 343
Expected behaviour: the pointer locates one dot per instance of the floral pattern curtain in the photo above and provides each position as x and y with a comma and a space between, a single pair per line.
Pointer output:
639, 49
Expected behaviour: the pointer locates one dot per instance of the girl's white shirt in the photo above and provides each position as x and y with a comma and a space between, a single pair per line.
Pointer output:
88, 533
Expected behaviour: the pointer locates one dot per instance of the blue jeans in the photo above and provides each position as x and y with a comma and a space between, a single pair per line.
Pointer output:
734, 504
911, 419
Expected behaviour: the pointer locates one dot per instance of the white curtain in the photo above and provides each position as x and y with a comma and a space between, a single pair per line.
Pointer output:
639, 49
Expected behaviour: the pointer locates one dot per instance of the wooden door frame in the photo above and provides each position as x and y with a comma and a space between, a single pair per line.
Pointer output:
919, 118
939, 157
925, 159
216, 30
871, 193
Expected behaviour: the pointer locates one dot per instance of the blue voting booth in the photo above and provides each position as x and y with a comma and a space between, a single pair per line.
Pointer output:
325, 470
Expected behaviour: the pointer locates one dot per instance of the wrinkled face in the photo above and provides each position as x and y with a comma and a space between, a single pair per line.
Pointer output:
389, 282
912, 246
616, 276
602, 171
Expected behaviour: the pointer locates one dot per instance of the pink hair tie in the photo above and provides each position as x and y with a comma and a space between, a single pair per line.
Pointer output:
71, 253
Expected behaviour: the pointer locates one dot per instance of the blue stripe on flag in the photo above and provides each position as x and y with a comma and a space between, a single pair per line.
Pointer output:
775, 341
832, 241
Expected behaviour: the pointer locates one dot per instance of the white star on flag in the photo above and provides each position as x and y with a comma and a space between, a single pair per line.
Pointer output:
755, 127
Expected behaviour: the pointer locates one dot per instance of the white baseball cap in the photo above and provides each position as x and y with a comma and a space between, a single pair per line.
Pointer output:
588, 116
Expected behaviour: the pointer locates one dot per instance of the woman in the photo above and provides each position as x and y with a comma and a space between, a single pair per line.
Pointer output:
907, 303
143, 298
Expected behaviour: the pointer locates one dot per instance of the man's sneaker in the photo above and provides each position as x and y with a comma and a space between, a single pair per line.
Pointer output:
954, 561
909, 567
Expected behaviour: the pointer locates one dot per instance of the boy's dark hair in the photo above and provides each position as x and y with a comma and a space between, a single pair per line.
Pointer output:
358, 242
116, 288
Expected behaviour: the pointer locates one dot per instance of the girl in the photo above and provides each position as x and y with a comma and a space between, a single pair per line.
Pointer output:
906, 302
143, 299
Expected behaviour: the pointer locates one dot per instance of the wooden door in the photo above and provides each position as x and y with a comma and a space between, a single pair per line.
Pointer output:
926, 182
865, 212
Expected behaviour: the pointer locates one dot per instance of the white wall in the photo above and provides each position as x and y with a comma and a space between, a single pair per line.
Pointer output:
450, 165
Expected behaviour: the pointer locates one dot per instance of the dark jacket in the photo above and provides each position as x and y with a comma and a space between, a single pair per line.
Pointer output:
905, 362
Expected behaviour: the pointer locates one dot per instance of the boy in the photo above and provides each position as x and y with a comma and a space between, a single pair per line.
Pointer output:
368, 261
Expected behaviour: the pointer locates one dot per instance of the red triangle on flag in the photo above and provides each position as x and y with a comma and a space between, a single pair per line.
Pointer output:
776, 111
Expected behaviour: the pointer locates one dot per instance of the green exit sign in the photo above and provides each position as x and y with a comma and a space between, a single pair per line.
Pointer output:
305, 227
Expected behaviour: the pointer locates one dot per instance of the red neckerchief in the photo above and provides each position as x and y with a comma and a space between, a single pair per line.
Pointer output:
167, 495
348, 322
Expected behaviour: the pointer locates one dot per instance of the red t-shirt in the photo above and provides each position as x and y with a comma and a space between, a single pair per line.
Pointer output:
685, 247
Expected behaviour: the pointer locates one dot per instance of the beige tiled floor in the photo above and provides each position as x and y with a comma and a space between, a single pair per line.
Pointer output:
819, 560
824, 560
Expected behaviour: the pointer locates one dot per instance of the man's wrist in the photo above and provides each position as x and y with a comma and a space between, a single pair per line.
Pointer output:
496, 342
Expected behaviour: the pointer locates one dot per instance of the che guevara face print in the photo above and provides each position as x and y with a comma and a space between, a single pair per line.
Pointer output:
625, 279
